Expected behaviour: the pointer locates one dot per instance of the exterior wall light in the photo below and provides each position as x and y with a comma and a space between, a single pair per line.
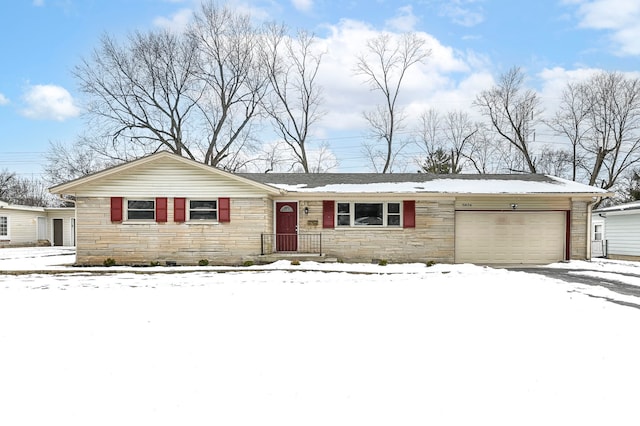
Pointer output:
306, 210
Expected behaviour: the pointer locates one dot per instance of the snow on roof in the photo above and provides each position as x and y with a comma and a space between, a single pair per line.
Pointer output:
634, 205
423, 183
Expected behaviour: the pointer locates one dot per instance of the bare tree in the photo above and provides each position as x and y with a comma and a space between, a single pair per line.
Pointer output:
572, 120
7, 180
194, 94
613, 144
485, 154
429, 135
64, 162
458, 133
556, 162
141, 94
24, 191
294, 102
322, 159
229, 68
512, 111
384, 65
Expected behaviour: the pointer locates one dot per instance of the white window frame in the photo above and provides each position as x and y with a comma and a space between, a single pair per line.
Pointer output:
352, 215
596, 233
6, 236
216, 210
152, 200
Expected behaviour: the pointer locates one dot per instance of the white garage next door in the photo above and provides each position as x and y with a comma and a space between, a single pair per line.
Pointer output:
510, 237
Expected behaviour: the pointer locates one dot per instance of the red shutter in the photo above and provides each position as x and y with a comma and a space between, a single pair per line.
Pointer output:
161, 209
328, 213
116, 209
409, 214
224, 210
179, 213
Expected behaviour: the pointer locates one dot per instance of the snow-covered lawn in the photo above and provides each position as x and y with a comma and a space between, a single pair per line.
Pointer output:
394, 345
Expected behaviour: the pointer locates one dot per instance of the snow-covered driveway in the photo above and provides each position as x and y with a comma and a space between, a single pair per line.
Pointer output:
394, 345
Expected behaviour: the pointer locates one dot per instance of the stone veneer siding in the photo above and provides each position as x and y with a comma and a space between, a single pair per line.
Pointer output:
431, 240
579, 230
184, 243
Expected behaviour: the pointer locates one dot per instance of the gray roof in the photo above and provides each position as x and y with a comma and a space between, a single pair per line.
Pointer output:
316, 180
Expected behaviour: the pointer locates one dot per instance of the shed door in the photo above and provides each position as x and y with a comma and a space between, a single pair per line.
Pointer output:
510, 237
58, 238
287, 226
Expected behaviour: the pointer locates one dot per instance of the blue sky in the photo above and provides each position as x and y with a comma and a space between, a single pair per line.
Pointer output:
472, 42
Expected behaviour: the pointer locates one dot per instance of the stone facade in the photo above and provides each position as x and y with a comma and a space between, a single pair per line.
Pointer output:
431, 240
140, 243
579, 230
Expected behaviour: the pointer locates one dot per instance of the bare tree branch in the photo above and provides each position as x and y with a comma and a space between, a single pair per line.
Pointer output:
384, 66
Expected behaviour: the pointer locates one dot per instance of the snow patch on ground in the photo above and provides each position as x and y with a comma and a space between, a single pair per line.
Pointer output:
397, 345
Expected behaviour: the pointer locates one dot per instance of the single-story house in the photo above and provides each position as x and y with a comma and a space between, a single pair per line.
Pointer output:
169, 209
618, 227
30, 226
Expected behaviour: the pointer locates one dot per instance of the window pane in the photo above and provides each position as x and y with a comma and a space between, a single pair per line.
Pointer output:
203, 214
393, 208
343, 207
393, 220
141, 204
343, 220
368, 214
141, 214
4, 228
207, 205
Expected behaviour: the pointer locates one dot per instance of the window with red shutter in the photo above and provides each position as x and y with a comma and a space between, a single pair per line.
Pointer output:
161, 209
116, 209
224, 210
409, 214
328, 214
179, 210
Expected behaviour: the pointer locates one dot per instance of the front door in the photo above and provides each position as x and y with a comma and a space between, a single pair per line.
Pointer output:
58, 236
287, 226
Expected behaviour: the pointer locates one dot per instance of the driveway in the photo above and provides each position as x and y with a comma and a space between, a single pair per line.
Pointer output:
576, 276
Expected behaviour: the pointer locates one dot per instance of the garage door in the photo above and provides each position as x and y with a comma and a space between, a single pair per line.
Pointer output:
510, 237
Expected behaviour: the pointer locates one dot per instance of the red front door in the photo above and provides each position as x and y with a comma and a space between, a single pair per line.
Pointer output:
286, 226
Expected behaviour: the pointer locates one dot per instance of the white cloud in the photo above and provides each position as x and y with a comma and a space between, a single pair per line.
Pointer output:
49, 102
177, 22
447, 80
463, 12
38, 3
3, 99
302, 5
404, 20
620, 17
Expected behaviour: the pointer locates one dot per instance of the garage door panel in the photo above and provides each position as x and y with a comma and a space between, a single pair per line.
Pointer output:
509, 237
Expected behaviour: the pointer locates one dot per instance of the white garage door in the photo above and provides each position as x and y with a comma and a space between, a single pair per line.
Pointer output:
510, 237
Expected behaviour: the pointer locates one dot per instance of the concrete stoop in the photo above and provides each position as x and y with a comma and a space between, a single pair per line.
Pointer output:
311, 257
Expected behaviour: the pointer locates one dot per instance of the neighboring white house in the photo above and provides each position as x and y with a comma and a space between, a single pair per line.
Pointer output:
619, 229
28, 226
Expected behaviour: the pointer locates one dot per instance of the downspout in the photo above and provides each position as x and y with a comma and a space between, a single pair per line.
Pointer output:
589, 227
589, 209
